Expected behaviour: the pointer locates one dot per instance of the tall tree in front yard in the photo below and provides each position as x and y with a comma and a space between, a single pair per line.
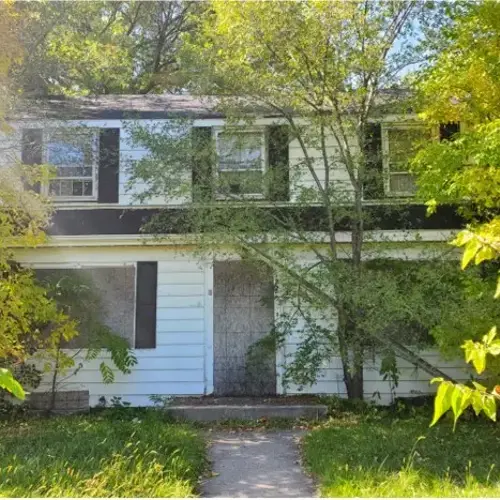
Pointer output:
318, 70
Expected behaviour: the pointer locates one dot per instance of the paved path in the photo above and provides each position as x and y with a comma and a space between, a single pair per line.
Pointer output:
256, 464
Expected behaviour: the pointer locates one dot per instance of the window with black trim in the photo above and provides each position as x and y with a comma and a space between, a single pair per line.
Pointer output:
241, 163
400, 142
74, 154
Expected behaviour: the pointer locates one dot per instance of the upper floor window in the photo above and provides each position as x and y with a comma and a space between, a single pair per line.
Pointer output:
74, 154
241, 163
400, 143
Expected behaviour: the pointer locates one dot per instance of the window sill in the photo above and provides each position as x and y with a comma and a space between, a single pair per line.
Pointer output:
398, 194
241, 197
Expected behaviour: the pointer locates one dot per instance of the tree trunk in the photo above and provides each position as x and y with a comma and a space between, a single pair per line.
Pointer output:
354, 384
351, 357
353, 373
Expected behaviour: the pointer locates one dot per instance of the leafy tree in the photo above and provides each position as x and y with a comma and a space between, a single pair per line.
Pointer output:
319, 68
461, 85
32, 319
101, 47
22, 219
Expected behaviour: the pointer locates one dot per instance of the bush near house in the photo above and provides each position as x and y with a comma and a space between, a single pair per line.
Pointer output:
113, 454
376, 455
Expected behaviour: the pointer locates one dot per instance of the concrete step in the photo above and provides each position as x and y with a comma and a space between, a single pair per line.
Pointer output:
251, 412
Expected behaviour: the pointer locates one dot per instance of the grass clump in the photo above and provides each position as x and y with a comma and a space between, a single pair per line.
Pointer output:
103, 455
393, 457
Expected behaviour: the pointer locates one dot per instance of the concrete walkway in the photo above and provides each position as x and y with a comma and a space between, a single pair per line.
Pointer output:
256, 464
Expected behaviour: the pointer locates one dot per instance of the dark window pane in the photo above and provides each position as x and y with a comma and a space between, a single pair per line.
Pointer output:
241, 182
87, 188
66, 188
54, 188
77, 188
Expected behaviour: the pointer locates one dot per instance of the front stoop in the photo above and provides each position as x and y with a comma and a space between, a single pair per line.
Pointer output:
250, 412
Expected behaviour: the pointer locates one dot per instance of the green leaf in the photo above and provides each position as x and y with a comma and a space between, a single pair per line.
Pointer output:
442, 402
477, 402
489, 406
108, 376
478, 386
488, 338
471, 249
460, 400
462, 238
475, 353
494, 348
10, 384
497, 292
431, 207
485, 253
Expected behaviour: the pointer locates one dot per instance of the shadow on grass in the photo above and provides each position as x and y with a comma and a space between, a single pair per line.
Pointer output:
395, 457
106, 454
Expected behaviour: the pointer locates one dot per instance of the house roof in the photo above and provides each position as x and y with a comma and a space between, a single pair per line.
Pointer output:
115, 107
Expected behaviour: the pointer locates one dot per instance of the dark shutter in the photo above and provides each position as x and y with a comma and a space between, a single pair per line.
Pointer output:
145, 309
31, 150
202, 164
109, 165
448, 130
373, 183
278, 142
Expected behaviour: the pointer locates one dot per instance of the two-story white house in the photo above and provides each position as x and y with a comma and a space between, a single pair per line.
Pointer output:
189, 321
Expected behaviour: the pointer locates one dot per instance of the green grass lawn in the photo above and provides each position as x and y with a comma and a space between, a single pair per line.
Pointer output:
388, 457
99, 456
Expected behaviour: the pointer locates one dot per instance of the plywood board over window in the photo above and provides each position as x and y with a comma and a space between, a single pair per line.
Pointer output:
111, 292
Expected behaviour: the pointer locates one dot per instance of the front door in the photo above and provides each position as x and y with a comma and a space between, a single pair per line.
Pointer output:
243, 314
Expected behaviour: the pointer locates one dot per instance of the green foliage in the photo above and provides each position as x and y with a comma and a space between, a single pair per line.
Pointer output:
102, 47
101, 455
29, 319
387, 457
10, 384
461, 84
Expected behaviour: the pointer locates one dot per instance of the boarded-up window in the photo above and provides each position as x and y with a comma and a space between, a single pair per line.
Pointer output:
106, 294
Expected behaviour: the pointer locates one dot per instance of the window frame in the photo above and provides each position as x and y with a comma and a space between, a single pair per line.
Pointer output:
386, 160
45, 187
218, 131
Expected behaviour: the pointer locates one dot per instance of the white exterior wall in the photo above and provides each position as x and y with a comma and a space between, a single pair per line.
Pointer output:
412, 381
10, 152
301, 176
182, 362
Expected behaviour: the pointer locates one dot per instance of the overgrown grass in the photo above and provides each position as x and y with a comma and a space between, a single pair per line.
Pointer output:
109, 454
390, 457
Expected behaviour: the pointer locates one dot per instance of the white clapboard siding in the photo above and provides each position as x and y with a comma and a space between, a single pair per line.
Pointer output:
303, 178
10, 148
412, 381
178, 364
